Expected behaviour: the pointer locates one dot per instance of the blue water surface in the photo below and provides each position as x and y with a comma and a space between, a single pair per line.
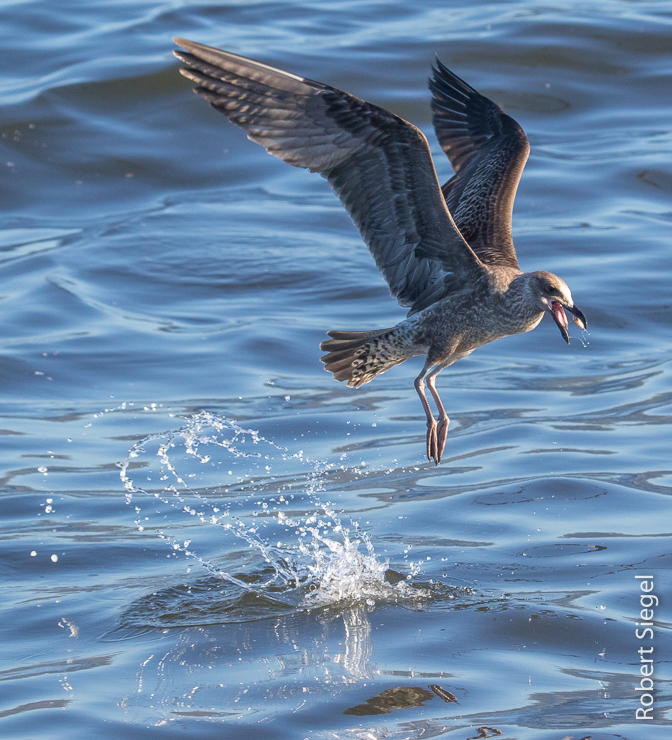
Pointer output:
163, 279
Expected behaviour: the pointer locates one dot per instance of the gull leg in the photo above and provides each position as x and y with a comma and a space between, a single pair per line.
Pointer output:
444, 421
431, 423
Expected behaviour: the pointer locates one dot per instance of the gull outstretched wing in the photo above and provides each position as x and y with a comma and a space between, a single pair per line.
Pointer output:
378, 164
488, 150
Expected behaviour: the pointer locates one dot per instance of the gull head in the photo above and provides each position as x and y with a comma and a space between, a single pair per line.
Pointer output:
554, 296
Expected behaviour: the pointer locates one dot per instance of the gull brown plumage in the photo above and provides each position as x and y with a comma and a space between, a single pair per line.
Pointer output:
446, 252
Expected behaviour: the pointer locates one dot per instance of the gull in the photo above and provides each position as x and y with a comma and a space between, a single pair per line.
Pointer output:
446, 252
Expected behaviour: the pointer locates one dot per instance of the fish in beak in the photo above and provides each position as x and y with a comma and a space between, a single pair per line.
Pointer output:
557, 311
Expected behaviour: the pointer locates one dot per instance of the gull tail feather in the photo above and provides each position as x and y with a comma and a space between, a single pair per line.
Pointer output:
358, 356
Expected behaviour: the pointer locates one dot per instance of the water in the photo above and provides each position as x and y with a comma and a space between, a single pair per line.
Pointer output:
165, 282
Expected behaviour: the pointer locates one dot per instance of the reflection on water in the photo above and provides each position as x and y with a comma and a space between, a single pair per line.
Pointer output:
296, 661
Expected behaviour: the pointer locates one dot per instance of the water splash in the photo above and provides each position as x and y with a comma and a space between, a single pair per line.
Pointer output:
583, 337
222, 477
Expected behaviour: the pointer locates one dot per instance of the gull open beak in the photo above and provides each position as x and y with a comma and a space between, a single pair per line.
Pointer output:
579, 318
557, 311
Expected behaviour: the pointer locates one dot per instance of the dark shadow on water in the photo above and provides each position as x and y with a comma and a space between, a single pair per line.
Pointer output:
209, 601
387, 701
212, 601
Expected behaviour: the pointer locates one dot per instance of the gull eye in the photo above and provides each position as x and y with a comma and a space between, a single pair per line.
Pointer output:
551, 289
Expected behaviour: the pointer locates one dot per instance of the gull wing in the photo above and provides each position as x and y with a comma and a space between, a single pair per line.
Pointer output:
378, 164
488, 151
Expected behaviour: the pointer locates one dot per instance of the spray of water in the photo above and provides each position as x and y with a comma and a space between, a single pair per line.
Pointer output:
583, 337
230, 480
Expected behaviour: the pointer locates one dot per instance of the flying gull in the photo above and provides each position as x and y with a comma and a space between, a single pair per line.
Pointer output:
446, 252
